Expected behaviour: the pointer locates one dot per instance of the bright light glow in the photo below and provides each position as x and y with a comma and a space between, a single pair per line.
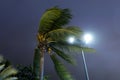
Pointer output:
71, 40
87, 38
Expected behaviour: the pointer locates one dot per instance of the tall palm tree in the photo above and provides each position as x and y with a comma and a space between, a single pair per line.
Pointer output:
7, 71
52, 39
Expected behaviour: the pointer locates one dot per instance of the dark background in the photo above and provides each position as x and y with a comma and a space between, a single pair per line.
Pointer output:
19, 20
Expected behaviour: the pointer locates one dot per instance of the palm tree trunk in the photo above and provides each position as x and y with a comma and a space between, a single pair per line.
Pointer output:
38, 63
42, 64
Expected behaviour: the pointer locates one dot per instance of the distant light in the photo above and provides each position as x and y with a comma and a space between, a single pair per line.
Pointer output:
71, 40
87, 38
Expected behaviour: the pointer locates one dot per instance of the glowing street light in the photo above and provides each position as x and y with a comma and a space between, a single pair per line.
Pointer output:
87, 38
71, 40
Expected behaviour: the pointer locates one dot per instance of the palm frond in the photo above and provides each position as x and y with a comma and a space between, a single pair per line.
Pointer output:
11, 78
61, 70
2, 66
64, 56
87, 49
1, 59
71, 47
54, 18
8, 72
64, 33
75, 29
64, 18
78, 49
46, 77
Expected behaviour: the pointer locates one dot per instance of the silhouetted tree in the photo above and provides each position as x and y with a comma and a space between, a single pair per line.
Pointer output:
52, 39
25, 73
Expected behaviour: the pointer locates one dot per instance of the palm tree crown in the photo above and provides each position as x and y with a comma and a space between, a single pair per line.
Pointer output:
52, 37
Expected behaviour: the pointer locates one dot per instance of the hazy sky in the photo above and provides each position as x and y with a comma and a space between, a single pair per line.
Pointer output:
19, 20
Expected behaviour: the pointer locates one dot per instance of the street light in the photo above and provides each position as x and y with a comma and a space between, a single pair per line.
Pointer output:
87, 38
71, 39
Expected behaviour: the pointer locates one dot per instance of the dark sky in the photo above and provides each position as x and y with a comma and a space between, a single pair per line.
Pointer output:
19, 20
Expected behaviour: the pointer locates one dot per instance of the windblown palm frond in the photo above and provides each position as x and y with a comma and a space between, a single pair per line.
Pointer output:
60, 69
87, 49
63, 33
7, 72
70, 48
75, 29
54, 18
64, 56
11, 78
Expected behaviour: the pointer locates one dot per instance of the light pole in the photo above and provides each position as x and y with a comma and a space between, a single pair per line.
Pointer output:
85, 65
87, 38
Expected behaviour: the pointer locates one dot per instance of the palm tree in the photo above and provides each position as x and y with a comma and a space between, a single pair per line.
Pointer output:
52, 39
7, 72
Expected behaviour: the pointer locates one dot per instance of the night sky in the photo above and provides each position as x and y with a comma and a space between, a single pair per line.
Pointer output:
19, 20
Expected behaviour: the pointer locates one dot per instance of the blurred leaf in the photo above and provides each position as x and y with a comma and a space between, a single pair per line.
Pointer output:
64, 56
11, 78
67, 47
54, 18
63, 33
7, 71
61, 70
46, 77
87, 49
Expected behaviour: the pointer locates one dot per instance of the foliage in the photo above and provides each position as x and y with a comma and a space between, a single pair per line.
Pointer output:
61, 70
54, 18
52, 39
25, 73
46, 77
7, 71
